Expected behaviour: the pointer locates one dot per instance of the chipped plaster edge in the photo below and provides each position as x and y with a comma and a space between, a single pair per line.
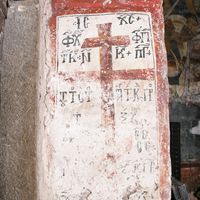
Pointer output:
43, 115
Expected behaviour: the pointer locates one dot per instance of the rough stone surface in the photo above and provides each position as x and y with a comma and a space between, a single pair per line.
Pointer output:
18, 103
85, 161
3, 15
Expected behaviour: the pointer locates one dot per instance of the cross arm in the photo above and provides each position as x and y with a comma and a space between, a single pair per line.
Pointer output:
91, 43
120, 41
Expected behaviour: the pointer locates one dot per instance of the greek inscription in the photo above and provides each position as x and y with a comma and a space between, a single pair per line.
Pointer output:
134, 94
144, 166
141, 37
81, 22
127, 115
77, 117
63, 98
122, 52
128, 19
71, 40
147, 166
142, 140
72, 53
75, 95
71, 56
142, 50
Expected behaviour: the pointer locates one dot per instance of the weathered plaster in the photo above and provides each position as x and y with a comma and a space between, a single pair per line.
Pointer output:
50, 132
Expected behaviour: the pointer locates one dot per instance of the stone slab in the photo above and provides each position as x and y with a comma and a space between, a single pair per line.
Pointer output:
108, 134
18, 69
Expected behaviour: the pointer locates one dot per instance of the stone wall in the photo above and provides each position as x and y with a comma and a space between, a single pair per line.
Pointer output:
3, 15
18, 103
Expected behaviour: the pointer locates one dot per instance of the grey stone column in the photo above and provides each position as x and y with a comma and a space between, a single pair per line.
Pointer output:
3, 15
18, 102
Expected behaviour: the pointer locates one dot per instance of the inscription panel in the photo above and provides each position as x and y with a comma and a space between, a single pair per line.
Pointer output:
73, 30
104, 133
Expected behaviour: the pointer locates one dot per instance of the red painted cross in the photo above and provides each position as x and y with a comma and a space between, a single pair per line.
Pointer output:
105, 41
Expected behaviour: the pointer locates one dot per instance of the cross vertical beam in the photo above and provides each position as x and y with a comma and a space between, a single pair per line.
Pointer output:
105, 41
